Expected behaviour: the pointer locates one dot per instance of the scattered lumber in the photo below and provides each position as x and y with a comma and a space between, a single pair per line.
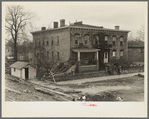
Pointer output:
60, 98
52, 92
12, 90
73, 91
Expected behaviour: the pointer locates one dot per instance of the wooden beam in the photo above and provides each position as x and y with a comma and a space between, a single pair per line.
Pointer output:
15, 91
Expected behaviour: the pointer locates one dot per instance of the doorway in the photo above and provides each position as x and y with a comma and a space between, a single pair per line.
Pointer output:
26, 73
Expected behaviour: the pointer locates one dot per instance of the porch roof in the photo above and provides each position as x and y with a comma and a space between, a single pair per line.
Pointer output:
85, 50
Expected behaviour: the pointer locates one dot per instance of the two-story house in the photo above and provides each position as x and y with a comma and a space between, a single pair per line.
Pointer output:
88, 46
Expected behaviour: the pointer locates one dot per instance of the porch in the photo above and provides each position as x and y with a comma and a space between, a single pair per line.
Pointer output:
87, 59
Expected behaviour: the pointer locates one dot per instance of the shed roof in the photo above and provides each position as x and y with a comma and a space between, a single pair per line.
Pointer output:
19, 64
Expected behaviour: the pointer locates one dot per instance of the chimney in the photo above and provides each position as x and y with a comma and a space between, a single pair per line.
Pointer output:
62, 22
55, 24
43, 28
116, 27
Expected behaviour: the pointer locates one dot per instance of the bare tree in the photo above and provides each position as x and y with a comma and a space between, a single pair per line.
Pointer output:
16, 20
140, 33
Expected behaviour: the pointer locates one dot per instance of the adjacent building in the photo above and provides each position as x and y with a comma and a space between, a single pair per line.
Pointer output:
136, 51
23, 70
88, 46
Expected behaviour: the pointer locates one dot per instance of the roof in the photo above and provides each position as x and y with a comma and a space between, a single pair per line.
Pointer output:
19, 64
85, 50
81, 26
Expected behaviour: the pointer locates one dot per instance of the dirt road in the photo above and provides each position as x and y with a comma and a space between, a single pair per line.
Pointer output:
130, 89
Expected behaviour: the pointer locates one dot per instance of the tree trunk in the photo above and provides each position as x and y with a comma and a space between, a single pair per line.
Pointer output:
15, 50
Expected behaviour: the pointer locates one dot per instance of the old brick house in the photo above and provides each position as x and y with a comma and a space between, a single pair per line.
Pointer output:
136, 51
88, 46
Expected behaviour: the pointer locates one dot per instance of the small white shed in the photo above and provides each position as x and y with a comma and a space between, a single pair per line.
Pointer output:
23, 70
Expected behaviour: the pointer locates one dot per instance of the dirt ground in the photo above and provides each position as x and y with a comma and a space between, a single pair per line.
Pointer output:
129, 89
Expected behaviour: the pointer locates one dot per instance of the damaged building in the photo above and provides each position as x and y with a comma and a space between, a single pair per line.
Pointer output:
89, 47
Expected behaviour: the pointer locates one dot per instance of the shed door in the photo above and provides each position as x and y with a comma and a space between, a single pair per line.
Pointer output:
26, 73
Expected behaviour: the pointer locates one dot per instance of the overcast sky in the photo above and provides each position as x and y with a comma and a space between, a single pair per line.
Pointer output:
127, 15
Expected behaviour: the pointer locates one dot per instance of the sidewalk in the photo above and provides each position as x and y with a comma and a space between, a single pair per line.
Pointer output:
97, 79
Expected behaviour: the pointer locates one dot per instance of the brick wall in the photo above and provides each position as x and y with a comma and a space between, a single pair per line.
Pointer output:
63, 47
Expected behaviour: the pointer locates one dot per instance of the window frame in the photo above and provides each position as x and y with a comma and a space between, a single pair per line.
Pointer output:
85, 39
114, 41
113, 52
121, 41
57, 55
121, 51
57, 40
76, 39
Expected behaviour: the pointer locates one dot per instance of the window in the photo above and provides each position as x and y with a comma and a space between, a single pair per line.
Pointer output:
47, 43
86, 38
57, 40
52, 41
8, 50
39, 43
106, 40
47, 54
97, 40
37, 54
114, 40
14, 69
76, 39
121, 53
121, 41
57, 55
43, 43
114, 53
106, 55
52, 55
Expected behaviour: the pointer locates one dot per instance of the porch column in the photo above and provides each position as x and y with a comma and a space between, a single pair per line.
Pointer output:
78, 61
97, 61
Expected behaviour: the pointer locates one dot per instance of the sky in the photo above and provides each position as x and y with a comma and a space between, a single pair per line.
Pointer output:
128, 15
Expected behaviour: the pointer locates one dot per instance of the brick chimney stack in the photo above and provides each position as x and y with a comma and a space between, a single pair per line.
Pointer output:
55, 24
117, 27
62, 22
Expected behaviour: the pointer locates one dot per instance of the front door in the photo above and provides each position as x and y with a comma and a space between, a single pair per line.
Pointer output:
105, 57
26, 73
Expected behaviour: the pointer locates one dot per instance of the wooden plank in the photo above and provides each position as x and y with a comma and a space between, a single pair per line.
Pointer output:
15, 91
52, 92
